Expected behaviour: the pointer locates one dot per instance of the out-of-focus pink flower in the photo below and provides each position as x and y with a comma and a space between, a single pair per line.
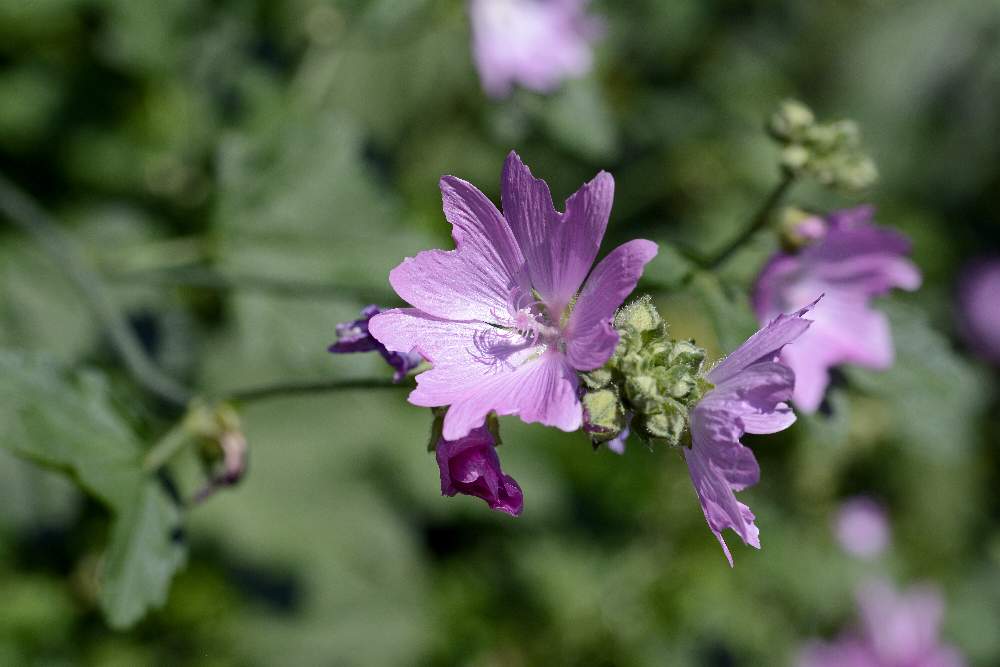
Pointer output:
862, 528
534, 43
851, 261
751, 387
896, 630
471, 466
979, 308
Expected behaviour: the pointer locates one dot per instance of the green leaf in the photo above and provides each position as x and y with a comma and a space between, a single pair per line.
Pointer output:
935, 394
68, 423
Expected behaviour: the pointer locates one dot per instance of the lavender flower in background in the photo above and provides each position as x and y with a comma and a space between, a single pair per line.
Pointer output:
534, 43
851, 261
751, 387
503, 318
470, 465
979, 308
354, 337
897, 630
862, 527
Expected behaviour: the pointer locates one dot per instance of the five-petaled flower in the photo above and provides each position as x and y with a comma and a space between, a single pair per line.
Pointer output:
470, 465
503, 317
850, 260
534, 43
751, 387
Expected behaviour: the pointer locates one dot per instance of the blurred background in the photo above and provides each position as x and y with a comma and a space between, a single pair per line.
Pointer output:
244, 174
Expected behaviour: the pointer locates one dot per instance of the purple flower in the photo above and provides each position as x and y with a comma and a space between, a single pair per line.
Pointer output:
354, 337
751, 387
979, 308
862, 528
897, 630
470, 465
535, 43
850, 260
503, 318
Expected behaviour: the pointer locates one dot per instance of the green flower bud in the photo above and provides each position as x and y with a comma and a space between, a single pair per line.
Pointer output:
687, 354
603, 415
597, 379
639, 316
667, 426
791, 120
643, 393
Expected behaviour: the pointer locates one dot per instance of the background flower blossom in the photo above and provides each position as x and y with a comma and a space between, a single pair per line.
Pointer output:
470, 465
979, 308
862, 527
751, 387
896, 630
503, 318
851, 262
353, 336
534, 43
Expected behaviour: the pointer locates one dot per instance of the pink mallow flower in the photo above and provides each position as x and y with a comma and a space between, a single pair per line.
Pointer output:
897, 630
750, 394
503, 318
851, 261
979, 308
534, 43
862, 527
470, 465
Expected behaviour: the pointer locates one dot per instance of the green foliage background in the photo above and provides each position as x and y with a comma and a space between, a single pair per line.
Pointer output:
245, 173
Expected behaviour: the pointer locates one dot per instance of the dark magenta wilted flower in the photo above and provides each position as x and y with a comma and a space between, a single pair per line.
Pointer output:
862, 527
751, 387
354, 337
470, 465
850, 260
503, 317
897, 630
534, 43
979, 308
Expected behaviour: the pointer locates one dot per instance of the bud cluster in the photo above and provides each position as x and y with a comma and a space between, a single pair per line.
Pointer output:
831, 152
651, 380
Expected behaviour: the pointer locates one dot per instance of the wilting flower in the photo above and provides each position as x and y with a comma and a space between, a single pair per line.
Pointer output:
354, 337
862, 528
850, 260
750, 389
470, 465
503, 318
534, 43
897, 630
979, 308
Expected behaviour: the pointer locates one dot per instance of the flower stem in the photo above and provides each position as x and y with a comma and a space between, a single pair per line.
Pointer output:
26, 214
757, 222
280, 389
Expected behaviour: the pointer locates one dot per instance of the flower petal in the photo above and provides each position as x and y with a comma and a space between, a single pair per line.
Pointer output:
541, 390
763, 345
590, 334
474, 281
559, 248
757, 396
719, 464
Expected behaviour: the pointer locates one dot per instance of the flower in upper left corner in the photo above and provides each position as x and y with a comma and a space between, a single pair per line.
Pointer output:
353, 336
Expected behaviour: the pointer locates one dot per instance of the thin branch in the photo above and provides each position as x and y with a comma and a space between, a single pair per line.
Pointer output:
26, 214
758, 222
277, 390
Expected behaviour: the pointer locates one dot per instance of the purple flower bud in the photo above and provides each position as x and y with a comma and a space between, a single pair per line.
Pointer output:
979, 308
470, 465
862, 528
354, 337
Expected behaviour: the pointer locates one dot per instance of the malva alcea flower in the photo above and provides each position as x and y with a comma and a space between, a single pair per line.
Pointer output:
897, 630
851, 261
862, 527
979, 308
503, 318
751, 387
353, 336
470, 465
534, 43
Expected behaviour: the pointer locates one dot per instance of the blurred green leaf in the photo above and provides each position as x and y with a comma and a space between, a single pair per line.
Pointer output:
68, 423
